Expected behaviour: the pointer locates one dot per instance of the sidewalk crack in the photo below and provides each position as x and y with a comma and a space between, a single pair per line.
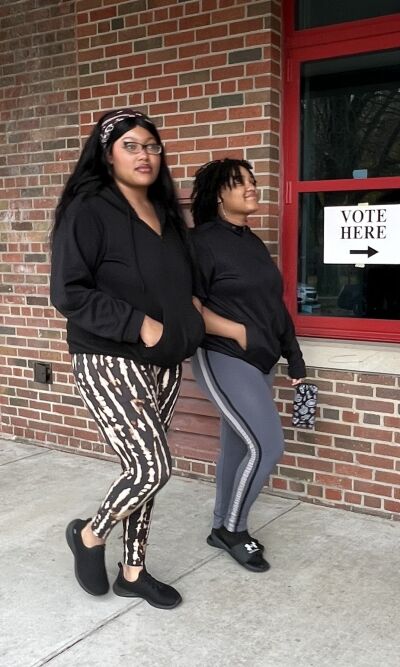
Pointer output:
137, 603
21, 458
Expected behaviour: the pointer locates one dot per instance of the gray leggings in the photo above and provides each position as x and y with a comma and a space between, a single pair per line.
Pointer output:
251, 432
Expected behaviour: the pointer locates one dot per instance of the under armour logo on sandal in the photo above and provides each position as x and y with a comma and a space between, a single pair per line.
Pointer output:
251, 547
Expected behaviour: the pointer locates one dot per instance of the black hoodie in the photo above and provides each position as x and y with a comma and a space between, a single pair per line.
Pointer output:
238, 280
110, 269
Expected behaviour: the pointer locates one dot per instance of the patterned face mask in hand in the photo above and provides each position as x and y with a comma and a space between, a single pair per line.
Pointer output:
304, 405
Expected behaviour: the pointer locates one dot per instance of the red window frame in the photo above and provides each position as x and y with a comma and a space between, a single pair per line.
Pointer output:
344, 39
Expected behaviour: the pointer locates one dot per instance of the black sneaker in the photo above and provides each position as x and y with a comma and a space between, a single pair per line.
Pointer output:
154, 592
90, 569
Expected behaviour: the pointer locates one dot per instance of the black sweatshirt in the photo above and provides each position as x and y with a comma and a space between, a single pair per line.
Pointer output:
238, 280
109, 269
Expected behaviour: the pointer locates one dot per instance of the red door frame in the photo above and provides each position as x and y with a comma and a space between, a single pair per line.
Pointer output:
316, 44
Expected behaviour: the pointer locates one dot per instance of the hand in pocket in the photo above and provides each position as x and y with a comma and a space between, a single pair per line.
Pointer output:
242, 337
151, 331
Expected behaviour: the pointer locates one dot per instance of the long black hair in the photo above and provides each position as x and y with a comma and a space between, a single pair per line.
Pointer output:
92, 171
208, 182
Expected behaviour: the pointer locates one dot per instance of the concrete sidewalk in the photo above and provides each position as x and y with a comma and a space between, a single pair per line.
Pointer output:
330, 599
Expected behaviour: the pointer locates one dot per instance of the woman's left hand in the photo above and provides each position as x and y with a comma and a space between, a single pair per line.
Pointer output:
298, 381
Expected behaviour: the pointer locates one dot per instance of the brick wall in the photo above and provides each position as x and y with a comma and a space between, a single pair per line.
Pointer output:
209, 75
351, 458
39, 139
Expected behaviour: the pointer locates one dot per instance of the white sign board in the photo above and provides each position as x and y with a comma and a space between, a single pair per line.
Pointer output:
362, 234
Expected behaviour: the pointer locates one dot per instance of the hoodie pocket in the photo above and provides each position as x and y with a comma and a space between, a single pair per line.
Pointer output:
179, 340
151, 353
261, 347
254, 338
194, 330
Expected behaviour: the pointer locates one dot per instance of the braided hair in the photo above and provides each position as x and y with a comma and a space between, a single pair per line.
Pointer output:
209, 179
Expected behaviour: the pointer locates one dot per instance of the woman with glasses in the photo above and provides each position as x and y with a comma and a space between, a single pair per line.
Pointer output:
248, 329
121, 275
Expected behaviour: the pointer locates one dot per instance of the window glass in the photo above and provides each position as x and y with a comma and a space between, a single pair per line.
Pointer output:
343, 290
350, 117
312, 13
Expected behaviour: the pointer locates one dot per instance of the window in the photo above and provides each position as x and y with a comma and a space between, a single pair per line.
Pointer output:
350, 117
341, 150
312, 13
353, 290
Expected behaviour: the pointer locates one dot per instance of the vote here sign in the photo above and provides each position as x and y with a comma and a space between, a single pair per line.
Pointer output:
362, 234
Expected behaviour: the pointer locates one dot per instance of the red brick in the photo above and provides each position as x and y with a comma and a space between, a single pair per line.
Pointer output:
336, 375
353, 470
387, 477
384, 392
372, 501
278, 483
371, 488
231, 14
177, 39
334, 480
334, 428
333, 494
353, 498
387, 450
251, 26
373, 379
335, 400
315, 464
199, 467
226, 45
211, 32
372, 434
352, 417
375, 461
315, 491
392, 422
374, 406
335, 454
392, 506
313, 437
181, 464
354, 389
298, 487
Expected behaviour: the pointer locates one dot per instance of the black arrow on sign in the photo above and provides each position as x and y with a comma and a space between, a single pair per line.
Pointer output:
370, 252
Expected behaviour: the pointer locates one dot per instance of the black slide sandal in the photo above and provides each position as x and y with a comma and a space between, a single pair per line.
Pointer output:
246, 554
253, 539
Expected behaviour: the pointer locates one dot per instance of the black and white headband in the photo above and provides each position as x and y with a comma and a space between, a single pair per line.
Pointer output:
108, 124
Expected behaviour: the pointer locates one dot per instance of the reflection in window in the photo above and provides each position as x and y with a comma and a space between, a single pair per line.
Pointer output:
312, 13
343, 290
350, 125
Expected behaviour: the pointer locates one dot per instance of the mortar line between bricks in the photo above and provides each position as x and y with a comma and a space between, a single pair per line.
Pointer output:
136, 603
21, 458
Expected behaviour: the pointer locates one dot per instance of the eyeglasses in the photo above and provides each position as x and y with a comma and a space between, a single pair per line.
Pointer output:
136, 147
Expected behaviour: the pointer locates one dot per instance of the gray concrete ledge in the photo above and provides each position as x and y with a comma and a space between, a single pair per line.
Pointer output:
360, 356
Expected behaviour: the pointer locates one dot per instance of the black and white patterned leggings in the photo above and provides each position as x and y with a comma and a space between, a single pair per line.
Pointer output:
132, 405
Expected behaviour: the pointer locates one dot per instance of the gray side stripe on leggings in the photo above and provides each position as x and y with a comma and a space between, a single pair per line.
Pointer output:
236, 503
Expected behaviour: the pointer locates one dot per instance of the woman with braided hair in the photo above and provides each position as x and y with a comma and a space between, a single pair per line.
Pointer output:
122, 276
248, 328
